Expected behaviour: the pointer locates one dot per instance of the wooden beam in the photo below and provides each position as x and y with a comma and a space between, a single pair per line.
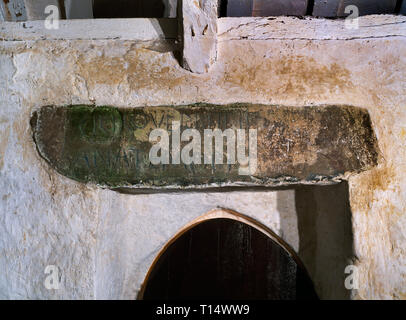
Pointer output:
239, 8
134, 8
368, 7
264, 8
198, 25
79, 9
336, 8
170, 8
36, 8
323, 8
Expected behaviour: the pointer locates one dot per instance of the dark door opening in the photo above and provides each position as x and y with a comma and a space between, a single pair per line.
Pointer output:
227, 259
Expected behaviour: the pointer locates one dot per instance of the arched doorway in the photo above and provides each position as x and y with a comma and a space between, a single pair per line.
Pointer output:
227, 258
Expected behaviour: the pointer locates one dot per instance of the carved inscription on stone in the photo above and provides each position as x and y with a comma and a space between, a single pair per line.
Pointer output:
204, 145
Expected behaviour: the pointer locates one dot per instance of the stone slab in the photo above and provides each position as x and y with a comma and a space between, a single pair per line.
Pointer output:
111, 147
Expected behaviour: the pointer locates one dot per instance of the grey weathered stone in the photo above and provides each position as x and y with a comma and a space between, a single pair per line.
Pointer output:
111, 146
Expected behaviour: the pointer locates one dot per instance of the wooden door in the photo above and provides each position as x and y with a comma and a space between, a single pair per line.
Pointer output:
227, 259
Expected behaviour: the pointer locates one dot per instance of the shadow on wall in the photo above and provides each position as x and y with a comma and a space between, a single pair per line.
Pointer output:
325, 235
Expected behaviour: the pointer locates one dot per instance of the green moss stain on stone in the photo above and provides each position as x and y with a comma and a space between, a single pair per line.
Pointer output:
110, 146
96, 125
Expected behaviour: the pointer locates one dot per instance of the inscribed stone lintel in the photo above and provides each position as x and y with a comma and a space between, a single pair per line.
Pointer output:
167, 147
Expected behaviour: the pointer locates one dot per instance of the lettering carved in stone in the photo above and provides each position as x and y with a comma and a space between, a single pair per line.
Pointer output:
204, 145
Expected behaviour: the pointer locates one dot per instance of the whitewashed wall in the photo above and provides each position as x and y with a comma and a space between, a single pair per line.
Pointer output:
102, 241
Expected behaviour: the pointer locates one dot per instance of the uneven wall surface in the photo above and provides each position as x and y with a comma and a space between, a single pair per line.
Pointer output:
103, 242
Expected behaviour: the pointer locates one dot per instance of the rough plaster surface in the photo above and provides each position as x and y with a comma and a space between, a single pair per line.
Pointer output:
104, 242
